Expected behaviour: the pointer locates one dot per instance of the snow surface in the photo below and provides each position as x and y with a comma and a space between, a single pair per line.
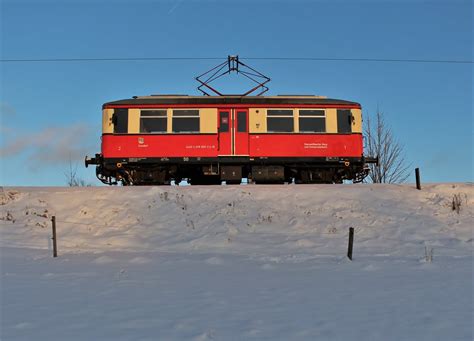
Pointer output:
237, 262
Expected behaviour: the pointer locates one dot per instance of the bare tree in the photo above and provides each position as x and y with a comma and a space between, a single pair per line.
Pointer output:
392, 166
72, 179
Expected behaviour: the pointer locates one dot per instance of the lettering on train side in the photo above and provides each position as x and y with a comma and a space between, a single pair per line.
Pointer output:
315, 145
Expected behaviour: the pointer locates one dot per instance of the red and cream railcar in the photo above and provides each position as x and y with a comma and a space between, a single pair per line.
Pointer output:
207, 139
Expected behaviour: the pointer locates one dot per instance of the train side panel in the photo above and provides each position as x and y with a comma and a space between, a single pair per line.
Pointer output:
164, 145
207, 145
301, 145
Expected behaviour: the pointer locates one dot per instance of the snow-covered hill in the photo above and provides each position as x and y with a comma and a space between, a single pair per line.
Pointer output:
237, 262
276, 221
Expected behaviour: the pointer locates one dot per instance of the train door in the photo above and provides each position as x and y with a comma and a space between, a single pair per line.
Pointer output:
233, 132
241, 132
224, 132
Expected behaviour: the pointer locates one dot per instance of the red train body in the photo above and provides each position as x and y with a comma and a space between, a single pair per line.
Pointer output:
156, 139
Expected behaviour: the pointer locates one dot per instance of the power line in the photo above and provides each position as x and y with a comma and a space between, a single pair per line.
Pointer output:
106, 59
365, 60
303, 59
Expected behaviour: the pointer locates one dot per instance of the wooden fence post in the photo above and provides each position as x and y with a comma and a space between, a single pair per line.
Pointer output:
55, 244
351, 242
417, 175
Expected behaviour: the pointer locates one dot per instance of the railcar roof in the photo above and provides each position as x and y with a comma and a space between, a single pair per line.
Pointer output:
196, 100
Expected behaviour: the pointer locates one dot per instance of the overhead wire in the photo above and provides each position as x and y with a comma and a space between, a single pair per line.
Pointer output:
308, 59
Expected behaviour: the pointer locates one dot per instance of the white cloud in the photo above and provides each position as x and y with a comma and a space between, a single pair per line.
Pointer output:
53, 144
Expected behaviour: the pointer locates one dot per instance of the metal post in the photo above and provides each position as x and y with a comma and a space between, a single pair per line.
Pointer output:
351, 242
55, 245
417, 175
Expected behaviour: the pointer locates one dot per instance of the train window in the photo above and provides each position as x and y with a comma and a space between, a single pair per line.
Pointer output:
224, 123
186, 121
283, 112
153, 121
193, 112
186, 125
153, 125
280, 121
159, 113
313, 121
312, 113
241, 121
120, 121
344, 120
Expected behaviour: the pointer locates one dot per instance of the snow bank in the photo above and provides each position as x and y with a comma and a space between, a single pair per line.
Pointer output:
276, 222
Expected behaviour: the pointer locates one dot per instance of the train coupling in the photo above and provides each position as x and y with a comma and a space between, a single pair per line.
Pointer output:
92, 160
370, 159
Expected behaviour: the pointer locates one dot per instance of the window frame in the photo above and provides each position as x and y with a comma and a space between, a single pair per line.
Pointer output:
120, 120
321, 117
292, 116
161, 117
349, 116
198, 117
242, 124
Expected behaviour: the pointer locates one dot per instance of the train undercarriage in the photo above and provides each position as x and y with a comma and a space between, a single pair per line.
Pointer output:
231, 170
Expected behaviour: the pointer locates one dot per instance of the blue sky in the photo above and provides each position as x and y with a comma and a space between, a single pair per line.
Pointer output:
51, 112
